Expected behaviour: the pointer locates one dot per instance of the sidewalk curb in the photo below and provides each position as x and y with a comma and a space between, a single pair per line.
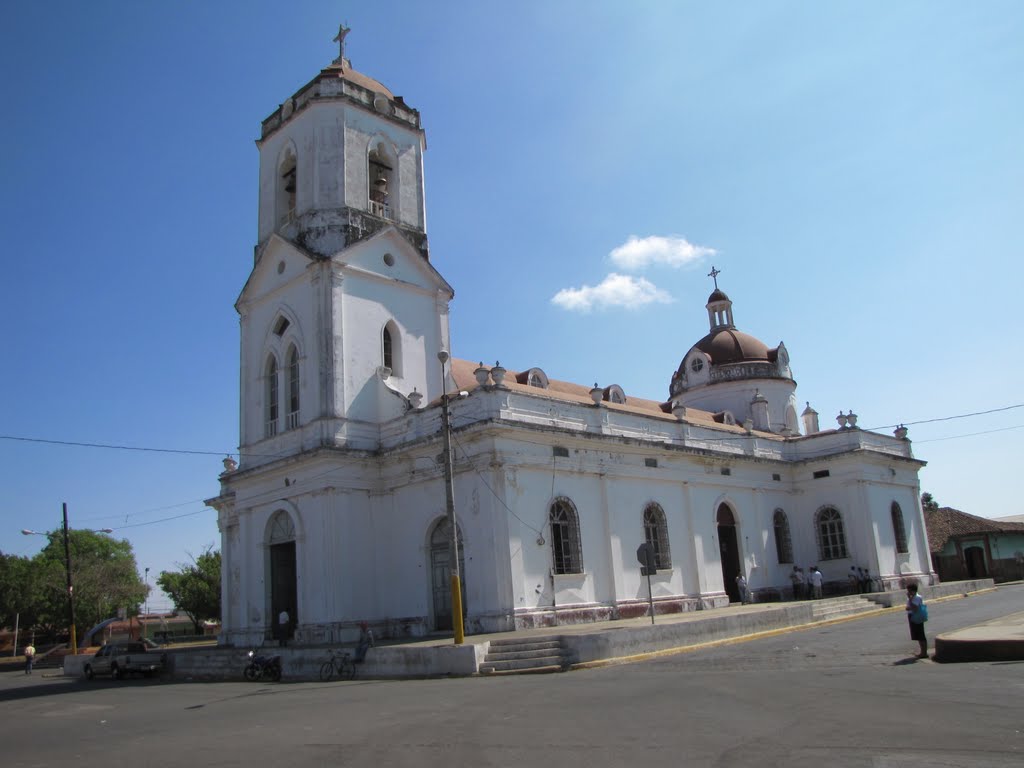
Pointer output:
755, 636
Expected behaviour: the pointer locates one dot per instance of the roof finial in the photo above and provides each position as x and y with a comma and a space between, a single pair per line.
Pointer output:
713, 274
340, 40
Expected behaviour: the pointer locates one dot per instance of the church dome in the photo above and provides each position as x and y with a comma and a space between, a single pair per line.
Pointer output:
727, 345
717, 295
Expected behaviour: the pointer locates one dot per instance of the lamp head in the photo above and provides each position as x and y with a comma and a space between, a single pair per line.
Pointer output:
443, 356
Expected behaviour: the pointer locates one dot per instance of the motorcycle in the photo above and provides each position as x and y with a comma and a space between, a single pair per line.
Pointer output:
263, 667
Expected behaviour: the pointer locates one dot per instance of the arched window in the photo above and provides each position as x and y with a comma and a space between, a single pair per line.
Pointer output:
536, 381
831, 538
293, 387
281, 528
287, 182
271, 390
783, 541
899, 529
391, 348
565, 538
656, 535
380, 178
388, 349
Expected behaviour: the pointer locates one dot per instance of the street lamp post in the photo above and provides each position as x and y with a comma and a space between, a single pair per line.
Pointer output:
449, 493
67, 568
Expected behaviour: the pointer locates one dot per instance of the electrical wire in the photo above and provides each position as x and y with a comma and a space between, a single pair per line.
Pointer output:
145, 449
501, 501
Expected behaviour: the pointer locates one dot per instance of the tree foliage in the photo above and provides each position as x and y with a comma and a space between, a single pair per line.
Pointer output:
928, 502
18, 587
104, 574
195, 587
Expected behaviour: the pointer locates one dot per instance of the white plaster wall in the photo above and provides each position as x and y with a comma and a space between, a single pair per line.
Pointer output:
292, 294
735, 396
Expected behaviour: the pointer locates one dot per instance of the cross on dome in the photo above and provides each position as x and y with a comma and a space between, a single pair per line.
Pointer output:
713, 274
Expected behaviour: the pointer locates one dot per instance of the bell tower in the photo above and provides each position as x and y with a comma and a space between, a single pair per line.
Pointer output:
341, 159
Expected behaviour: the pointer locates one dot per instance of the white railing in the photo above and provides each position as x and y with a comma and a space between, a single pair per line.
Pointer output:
293, 420
380, 209
271, 428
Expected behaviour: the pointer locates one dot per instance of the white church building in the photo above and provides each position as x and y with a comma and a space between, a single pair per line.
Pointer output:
336, 511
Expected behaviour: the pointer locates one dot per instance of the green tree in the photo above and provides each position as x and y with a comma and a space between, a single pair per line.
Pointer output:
195, 587
18, 592
928, 502
104, 574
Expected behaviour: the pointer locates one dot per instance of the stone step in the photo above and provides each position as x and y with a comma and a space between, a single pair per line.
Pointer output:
541, 639
519, 646
519, 665
539, 653
529, 671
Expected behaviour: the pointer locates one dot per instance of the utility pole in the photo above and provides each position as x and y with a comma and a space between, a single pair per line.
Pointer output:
71, 589
449, 492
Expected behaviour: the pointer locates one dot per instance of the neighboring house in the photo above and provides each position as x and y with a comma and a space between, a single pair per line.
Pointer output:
336, 512
968, 547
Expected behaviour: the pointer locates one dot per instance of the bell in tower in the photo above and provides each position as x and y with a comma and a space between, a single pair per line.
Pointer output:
341, 159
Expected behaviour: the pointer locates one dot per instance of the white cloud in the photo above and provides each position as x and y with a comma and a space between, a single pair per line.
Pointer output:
614, 291
639, 252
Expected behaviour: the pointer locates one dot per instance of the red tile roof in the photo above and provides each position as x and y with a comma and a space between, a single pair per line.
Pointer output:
946, 523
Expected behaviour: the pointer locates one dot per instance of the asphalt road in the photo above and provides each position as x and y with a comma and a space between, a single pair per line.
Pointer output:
849, 694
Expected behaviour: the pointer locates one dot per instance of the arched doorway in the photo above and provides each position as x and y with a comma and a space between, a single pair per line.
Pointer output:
729, 550
283, 588
440, 574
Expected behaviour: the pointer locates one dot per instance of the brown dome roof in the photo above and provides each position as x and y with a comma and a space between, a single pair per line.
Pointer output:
337, 71
717, 295
727, 345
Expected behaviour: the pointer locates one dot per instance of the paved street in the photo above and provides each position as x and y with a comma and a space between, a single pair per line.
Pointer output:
848, 694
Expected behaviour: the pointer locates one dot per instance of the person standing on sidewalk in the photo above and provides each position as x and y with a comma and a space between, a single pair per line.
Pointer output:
741, 584
30, 657
816, 581
798, 583
283, 628
917, 615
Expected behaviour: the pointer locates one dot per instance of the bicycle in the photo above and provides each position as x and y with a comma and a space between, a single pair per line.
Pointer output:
339, 664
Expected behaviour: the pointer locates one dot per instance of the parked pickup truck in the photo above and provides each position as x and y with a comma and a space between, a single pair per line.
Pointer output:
122, 659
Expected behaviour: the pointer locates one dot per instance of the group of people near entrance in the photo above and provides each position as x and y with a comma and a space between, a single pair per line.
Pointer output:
860, 581
806, 586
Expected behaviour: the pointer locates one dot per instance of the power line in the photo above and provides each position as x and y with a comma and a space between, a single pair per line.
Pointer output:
144, 449
970, 434
950, 418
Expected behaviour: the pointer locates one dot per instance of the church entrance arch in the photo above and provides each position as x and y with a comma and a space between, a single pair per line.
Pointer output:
729, 551
441, 573
282, 581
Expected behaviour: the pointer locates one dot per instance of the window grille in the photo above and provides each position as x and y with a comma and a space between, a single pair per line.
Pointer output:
831, 537
656, 535
565, 538
783, 540
899, 529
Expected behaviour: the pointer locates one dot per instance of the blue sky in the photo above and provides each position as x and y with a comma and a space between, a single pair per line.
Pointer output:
855, 169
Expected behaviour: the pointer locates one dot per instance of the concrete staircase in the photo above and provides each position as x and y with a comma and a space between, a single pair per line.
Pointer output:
838, 607
518, 657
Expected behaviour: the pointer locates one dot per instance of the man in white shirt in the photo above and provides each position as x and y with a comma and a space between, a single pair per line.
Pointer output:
283, 622
816, 581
